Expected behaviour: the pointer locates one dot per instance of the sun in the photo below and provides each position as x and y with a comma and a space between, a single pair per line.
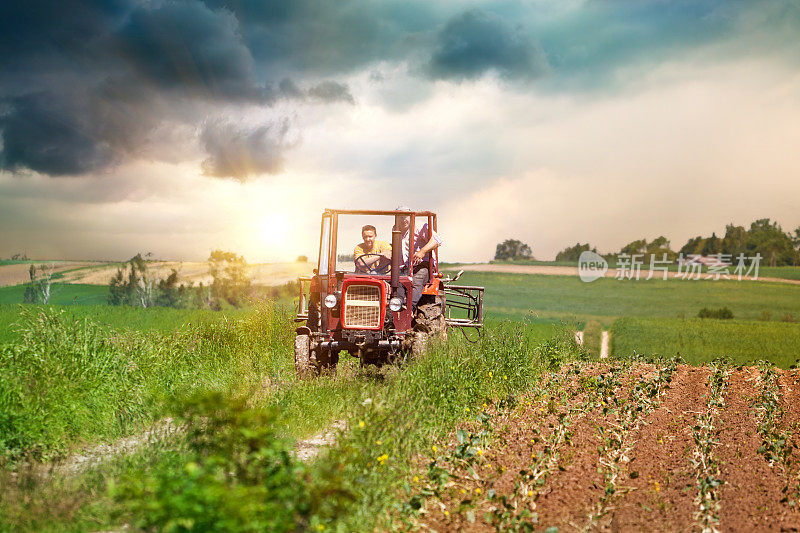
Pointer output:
273, 229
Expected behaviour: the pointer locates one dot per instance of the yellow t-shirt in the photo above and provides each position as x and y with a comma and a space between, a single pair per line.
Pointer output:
377, 248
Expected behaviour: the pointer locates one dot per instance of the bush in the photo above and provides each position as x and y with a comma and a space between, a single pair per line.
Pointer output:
236, 474
723, 313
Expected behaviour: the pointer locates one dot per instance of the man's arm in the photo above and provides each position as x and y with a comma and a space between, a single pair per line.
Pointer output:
433, 243
366, 261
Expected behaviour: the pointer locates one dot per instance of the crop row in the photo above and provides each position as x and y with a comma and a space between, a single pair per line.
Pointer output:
628, 414
516, 511
706, 466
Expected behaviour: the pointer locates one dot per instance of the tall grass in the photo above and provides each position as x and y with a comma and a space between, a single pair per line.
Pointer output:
67, 381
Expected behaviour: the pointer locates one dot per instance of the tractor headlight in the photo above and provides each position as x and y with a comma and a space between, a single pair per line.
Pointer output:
395, 304
330, 301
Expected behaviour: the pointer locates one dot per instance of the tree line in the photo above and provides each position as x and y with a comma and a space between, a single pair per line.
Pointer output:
230, 286
765, 237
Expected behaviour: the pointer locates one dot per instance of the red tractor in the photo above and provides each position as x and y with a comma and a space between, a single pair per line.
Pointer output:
363, 304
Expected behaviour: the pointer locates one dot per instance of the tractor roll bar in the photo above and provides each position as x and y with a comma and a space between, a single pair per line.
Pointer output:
376, 212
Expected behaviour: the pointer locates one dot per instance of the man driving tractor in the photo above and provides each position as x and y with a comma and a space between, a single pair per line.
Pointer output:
366, 313
374, 255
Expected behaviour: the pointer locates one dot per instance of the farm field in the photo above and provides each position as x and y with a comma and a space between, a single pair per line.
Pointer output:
700, 341
131, 379
124, 318
16, 272
565, 297
482, 433
100, 273
626, 447
780, 272
495, 435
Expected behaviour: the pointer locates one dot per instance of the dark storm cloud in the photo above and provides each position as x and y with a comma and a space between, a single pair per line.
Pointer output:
84, 83
42, 134
189, 47
240, 153
40, 30
475, 42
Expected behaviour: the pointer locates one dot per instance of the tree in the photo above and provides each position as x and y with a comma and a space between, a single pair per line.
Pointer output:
511, 249
573, 253
137, 288
635, 247
38, 289
231, 282
692, 246
302, 259
170, 294
764, 237
735, 240
768, 239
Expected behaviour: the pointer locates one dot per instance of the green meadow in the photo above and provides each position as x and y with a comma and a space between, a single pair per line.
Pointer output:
567, 297
700, 341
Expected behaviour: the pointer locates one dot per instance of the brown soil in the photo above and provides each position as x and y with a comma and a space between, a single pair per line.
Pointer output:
520, 434
661, 480
752, 491
658, 486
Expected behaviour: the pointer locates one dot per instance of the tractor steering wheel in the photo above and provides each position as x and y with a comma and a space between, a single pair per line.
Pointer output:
381, 266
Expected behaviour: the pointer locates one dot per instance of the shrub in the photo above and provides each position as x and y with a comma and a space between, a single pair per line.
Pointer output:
723, 313
236, 474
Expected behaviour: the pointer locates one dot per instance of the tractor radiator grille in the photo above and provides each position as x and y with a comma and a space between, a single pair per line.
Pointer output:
362, 306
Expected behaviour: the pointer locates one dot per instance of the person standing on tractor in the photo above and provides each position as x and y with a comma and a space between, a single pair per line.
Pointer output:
425, 241
376, 254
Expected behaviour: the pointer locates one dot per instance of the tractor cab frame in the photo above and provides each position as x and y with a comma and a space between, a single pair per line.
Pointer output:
365, 309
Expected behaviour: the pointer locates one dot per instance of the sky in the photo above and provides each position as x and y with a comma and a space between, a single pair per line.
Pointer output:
178, 127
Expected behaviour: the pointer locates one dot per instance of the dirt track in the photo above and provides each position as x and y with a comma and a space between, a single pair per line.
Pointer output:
270, 274
16, 274
628, 467
554, 270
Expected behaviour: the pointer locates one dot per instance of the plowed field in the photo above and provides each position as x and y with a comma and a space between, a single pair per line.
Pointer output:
627, 447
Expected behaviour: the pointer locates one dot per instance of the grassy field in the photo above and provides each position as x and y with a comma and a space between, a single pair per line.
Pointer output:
549, 298
124, 318
700, 341
233, 383
60, 294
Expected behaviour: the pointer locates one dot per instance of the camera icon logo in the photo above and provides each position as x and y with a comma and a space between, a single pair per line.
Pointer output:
591, 266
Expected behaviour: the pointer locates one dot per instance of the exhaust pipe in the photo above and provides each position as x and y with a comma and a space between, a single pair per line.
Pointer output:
396, 253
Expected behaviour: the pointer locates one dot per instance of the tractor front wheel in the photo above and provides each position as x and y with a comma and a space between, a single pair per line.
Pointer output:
430, 317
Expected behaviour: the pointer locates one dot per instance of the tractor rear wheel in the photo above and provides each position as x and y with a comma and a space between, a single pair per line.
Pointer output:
302, 356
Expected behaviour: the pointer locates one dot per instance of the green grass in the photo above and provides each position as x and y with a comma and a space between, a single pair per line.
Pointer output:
60, 294
700, 341
516, 296
68, 380
124, 318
